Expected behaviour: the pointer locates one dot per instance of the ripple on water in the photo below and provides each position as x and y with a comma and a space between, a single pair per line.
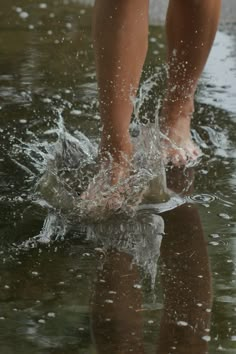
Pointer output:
202, 198
225, 216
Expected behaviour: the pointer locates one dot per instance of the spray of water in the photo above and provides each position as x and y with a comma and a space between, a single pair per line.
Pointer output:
62, 166
62, 169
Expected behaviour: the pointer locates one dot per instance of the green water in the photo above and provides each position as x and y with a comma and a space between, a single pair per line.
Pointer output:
71, 296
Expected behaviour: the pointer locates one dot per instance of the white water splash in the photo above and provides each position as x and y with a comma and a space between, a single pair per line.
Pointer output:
140, 237
70, 165
61, 166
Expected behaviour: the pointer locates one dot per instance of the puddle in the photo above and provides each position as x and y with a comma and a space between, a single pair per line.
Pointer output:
162, 276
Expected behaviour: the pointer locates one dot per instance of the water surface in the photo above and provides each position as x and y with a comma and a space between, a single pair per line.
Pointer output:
144, 284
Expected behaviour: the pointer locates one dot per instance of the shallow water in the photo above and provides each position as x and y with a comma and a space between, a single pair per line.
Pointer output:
148, 283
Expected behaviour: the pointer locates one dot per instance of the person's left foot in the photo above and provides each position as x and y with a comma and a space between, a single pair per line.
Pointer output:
177, 145
177, 148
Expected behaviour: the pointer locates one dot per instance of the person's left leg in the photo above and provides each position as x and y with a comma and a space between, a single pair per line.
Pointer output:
190, 27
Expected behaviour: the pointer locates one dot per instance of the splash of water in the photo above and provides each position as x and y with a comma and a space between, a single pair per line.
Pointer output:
61, 168
140, 237
69, 166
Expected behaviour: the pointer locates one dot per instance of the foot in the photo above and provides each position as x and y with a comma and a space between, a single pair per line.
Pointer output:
177, 144
107, 188
178, 148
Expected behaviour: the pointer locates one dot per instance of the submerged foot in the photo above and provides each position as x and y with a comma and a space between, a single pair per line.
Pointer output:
108, 188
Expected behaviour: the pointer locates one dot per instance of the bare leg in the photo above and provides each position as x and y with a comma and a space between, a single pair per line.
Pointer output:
190, 26
185, 275
117, 319
120, 40
186, 280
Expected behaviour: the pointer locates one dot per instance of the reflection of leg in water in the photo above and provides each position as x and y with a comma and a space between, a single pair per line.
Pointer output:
117, 321
117, 302
186, 283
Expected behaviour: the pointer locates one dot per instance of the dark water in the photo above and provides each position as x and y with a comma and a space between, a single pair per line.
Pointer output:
111, 287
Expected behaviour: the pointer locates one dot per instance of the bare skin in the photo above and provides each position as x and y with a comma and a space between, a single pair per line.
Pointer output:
121, 39
190, 28
120, 34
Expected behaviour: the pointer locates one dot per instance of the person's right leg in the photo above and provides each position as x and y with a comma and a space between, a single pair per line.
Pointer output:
190, 27
120, 39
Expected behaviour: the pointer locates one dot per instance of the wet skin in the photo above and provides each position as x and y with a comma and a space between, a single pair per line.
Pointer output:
120, 33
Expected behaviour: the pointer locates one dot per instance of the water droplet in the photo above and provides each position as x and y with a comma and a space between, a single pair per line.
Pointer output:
203, 198
213, 243
109, 301
76, 112
18, 9
46, 100
206, 338
51, 314
214, 235
43, 5
182, 323
152, 39
225, 216
86, 255
23, 121
23, 15
137, 286
68, 25
41, 320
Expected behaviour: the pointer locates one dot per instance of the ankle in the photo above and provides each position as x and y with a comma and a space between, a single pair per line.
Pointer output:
120, 149
174, 111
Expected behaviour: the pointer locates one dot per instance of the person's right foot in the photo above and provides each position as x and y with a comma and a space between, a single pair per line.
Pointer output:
114, 169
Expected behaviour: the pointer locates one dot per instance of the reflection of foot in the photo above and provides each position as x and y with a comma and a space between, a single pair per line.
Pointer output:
177, 144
